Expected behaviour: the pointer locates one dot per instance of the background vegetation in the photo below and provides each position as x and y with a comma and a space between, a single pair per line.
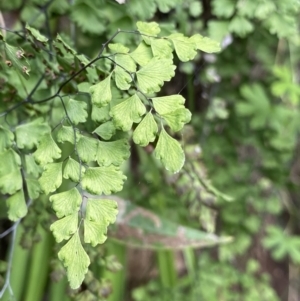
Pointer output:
240, 179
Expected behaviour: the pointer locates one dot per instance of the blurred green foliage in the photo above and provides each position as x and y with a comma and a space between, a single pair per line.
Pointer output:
242, 139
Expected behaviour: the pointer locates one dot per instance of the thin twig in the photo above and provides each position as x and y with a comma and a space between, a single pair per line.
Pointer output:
9, 265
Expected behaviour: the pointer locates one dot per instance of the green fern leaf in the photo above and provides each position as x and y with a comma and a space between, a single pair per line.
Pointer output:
185, 47
99, 214
105, 130
29, 134
142, 54
16, 206
17, 59
6, 138
66, 133
66, 203
47, 150
51, 178
73, 170
104, 179
206, 44
122, 78
125, 61
118, 48
10, 175
177, 119
113, 152
169, 151
148, 30
100, 114
11, 182
94, 232
64, 228
10, 160
31, 167
33, 188
167, 104
101, 92
162, 49
152, 76
75, 260
76, 111
127, 112
146, 131
36, 34
87, 148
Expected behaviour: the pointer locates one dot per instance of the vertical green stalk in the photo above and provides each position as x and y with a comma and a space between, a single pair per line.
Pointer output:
57, 290
39, 266
167, 268
190, 263
118, 279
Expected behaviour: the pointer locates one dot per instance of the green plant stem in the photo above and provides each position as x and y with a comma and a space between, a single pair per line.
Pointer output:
118, 279
57, 290
39, 266
167, 268
190, 262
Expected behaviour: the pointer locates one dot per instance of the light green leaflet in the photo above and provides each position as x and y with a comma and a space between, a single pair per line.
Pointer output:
47, 150
11, 182
127, 112
125, 62
100, 114
76, 111
205, 44
29, 134
33, 188
185, 47
75, 260
10, 175
152, 76
51, 178
105, 130
169, 151
142, 54
124, 65
31, 167
122, 78
99, 214
10, 160
66, 203
87, 148
73, 170
16, 206
148, 30
104, 179
162, 49
64, 228
36, 34
177, 119
118, 48
146, 131
112, 152
167, 104
101, 92
6, 138
66, 133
